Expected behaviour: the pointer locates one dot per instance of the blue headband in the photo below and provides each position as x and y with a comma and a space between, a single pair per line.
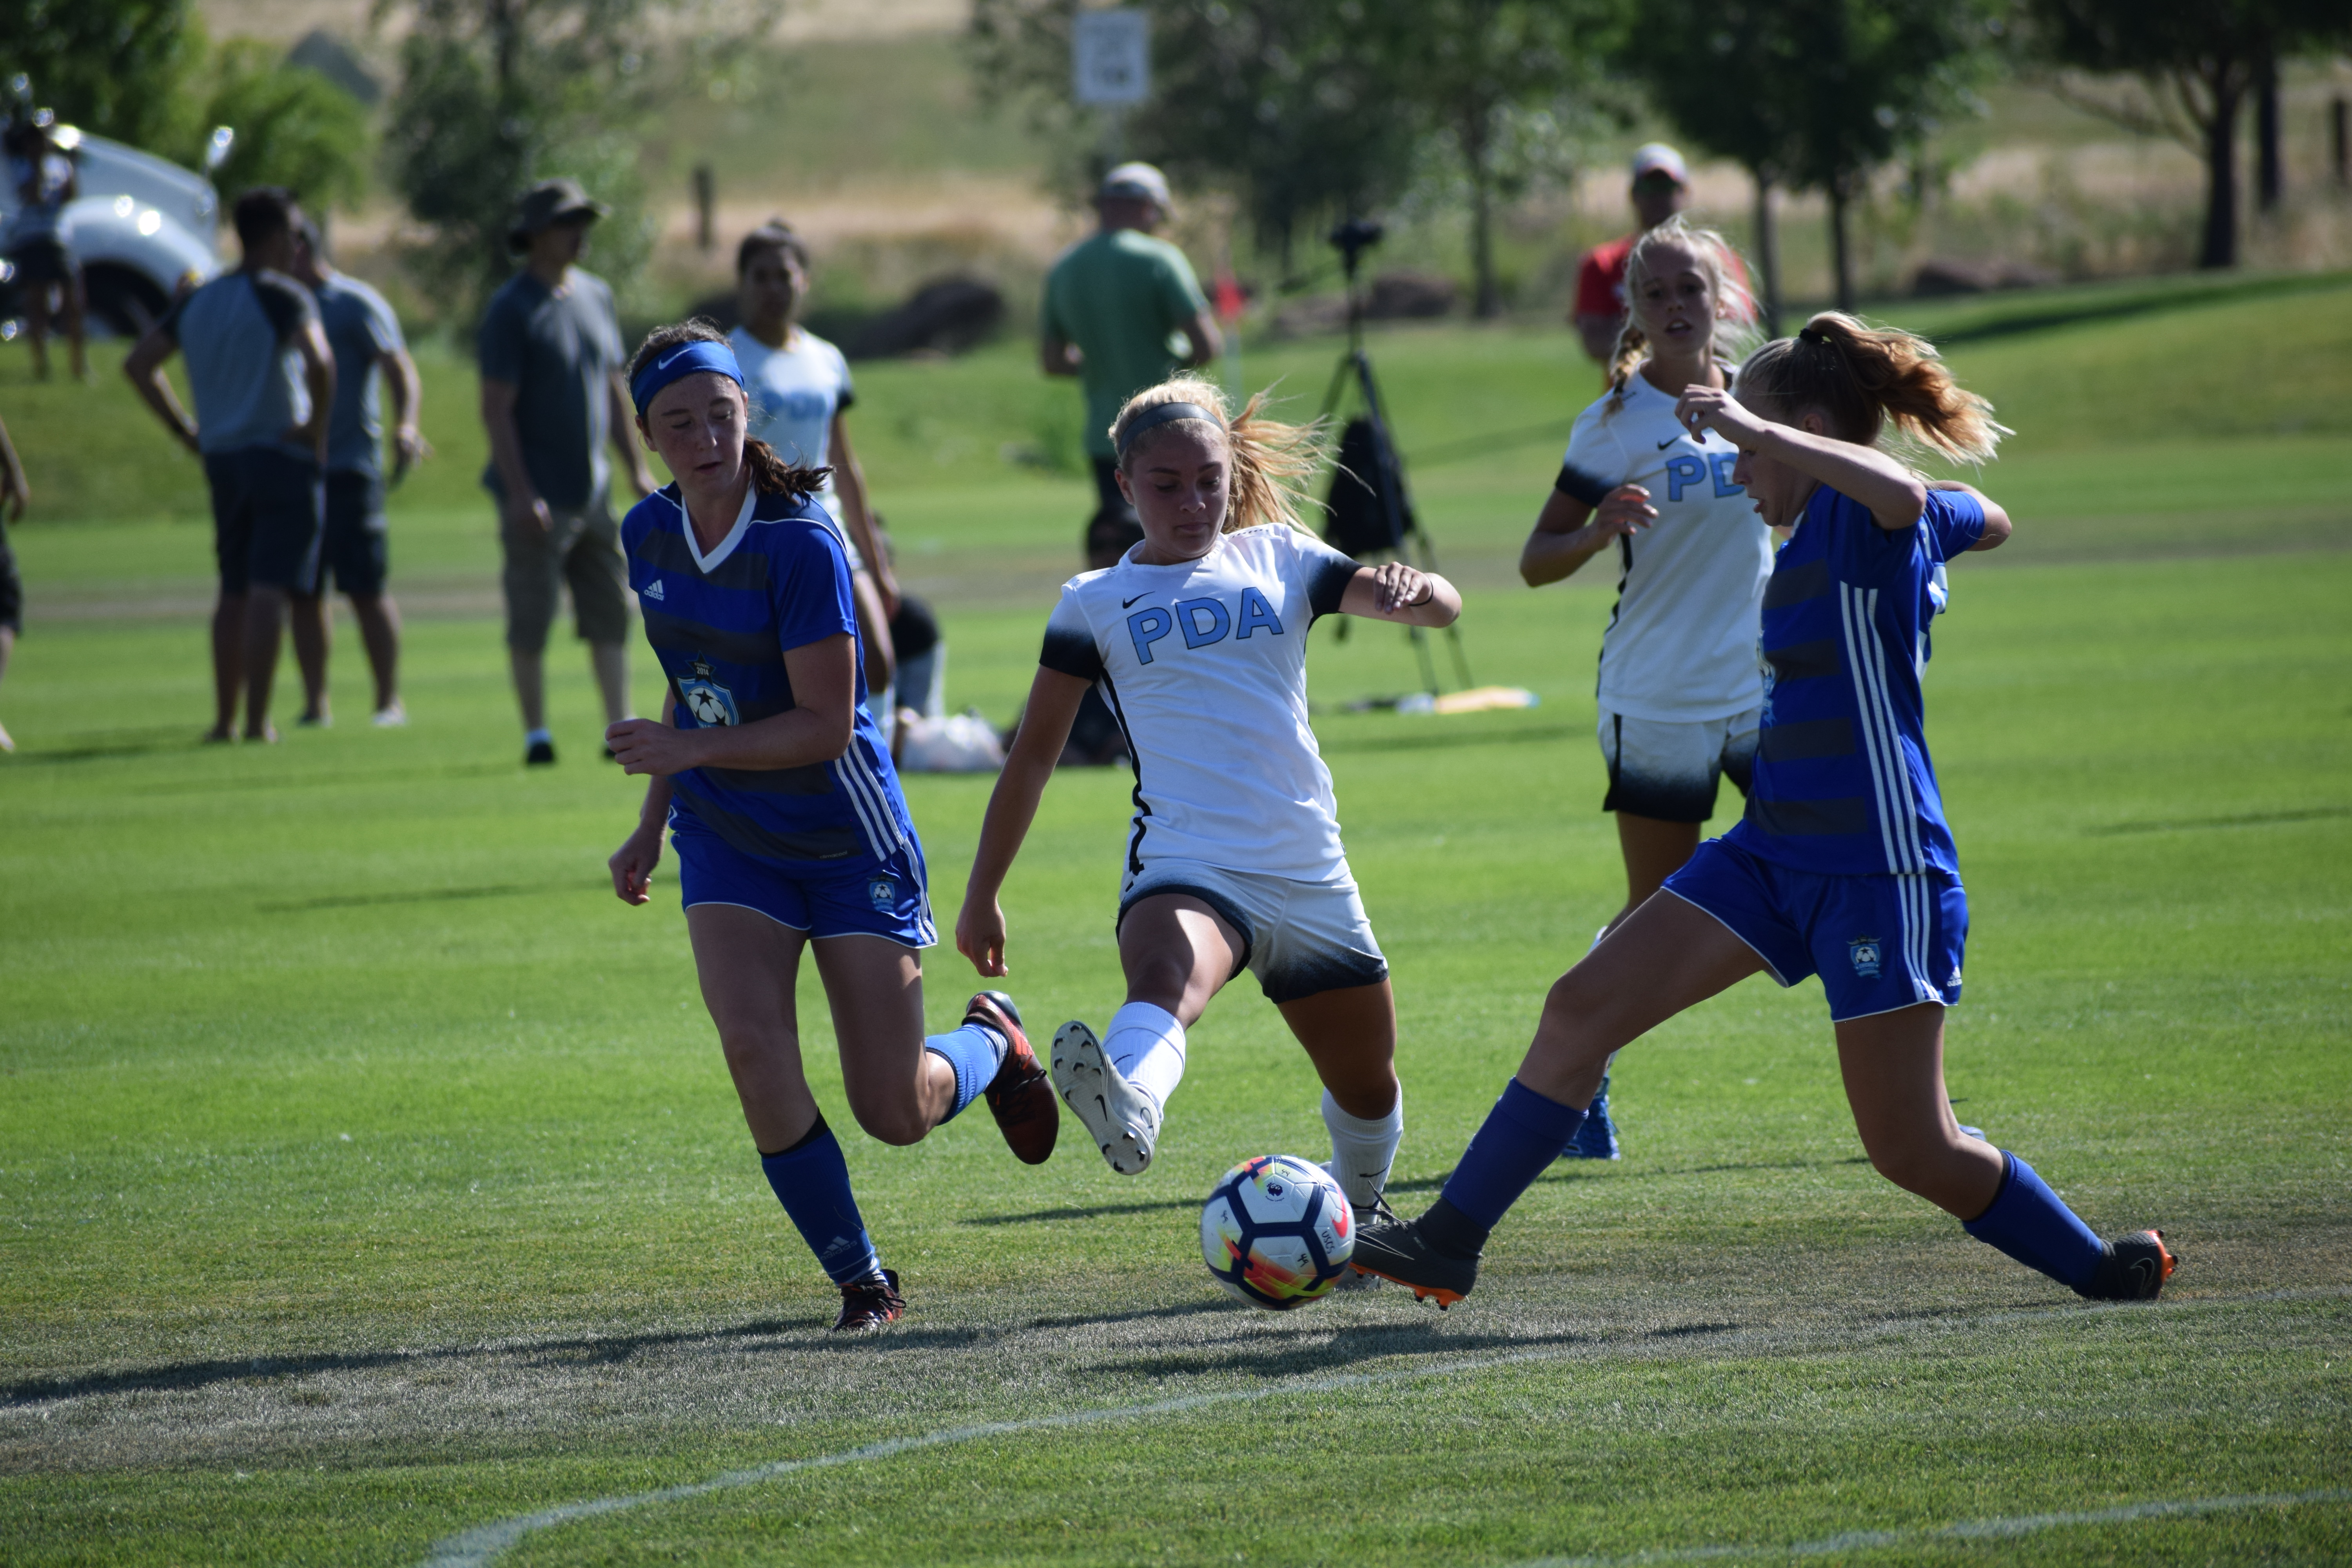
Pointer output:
1162, 414
678, 364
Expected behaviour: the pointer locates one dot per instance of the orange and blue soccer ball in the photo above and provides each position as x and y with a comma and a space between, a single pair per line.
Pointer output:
1276, 1232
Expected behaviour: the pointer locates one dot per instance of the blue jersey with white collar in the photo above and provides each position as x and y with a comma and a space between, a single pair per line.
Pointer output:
1844, 784
721, 624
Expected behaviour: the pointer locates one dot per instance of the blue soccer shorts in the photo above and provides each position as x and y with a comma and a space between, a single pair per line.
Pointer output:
817, 898
1879, 943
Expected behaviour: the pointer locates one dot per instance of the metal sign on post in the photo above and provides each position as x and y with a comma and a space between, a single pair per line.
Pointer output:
1110, 56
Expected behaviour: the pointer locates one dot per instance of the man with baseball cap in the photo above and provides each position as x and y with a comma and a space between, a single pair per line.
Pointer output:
1661, 189
550, 357
1114, 303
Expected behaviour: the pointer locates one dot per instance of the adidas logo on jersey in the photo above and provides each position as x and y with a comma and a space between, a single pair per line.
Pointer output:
653, 590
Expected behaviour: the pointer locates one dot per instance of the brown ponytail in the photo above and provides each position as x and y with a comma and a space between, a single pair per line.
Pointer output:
1269, 459
1858, 377
770, 474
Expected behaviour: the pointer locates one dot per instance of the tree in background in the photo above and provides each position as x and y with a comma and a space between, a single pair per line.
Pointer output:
496, 94
294, 127
1280, 102
1479, 76
116, 68
2198, 62
1728, 85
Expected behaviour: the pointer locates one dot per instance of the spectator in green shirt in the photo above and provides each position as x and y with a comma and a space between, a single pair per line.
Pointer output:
1116, 305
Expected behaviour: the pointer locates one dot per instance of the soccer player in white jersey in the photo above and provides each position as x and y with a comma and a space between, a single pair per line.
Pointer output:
790, 831
798, 389
1197, 639
1844, 865
1680, 686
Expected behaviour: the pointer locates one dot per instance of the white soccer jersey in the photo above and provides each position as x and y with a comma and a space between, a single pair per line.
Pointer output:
1681, 644
1205, 666
794, 393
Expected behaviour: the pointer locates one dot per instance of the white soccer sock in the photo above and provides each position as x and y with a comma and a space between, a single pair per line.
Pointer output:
1363, 1152
1146, 1044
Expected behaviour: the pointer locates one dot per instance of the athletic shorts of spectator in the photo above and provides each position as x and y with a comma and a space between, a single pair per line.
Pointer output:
358, 551
1669, 771
267, 513
12, 589
41, 261
582, 548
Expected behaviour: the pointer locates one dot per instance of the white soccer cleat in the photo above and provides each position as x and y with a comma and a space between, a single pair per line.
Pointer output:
1121, 1119
391, 718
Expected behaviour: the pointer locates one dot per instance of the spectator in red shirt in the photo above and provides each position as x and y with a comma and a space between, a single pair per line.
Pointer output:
1661, 189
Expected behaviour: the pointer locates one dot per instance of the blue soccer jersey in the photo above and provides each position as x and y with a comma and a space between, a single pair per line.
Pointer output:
1844, 784
721, 624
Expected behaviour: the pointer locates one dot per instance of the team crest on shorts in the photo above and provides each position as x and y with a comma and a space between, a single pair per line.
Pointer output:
883, 891
1864, 951
711, 703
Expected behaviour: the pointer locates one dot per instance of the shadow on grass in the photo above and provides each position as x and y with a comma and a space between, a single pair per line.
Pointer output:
425, 896
98, 744
2197, 824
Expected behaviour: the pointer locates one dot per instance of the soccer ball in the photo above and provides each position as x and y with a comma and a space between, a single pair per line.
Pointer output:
1276, 1232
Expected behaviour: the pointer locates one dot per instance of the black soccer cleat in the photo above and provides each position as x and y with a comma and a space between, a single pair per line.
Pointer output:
1021, 1096
1395, 1249
538, 754
2135, 1269
868, 1306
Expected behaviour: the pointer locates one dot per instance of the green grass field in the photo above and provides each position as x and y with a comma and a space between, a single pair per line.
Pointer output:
371, 1190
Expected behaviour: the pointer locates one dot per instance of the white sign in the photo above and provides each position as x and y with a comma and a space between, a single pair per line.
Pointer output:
1110, 56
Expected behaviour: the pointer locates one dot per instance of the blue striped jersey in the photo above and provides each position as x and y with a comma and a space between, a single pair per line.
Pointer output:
721, 624
1844, 784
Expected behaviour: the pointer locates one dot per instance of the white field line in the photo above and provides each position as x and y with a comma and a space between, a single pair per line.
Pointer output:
1967, 1530
485, 1543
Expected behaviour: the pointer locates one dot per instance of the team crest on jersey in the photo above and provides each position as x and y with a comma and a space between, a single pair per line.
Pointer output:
1864, 951
711, 703
883, 891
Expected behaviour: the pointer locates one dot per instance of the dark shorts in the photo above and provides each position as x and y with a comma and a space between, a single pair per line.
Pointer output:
12, 589
266, 519
1879, 943
43, 261
1114, 529
821, 898
356, 551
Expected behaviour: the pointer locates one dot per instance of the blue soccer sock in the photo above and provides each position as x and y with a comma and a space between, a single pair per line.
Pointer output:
2026, 1220
1522, 1136
811, 1179
975, 1051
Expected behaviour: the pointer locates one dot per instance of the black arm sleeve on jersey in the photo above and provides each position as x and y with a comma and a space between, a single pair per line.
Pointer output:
1072, 654
846, 401
1575, 482
1329, 583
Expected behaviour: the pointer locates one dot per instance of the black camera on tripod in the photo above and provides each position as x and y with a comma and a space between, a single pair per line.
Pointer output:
1354, 237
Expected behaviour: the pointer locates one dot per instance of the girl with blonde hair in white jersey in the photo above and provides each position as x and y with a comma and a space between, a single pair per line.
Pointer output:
1681, 689
1197, 641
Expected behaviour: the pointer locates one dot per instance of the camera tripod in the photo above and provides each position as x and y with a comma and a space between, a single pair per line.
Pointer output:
1371, 516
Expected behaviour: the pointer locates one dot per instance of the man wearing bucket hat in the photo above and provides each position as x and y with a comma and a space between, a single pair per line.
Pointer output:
1114, 304
553, 396
1661, 188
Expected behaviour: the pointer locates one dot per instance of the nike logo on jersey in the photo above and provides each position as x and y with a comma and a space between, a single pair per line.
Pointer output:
1668, 442
1129, 604
1202, 622
653, 590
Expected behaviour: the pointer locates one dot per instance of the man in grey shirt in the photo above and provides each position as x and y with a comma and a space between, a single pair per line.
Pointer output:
264, 381
552, 397
366, 337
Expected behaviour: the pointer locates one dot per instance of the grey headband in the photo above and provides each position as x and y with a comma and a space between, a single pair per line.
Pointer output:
1162, 414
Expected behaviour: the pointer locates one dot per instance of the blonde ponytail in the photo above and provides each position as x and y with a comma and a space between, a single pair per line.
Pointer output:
1858, 377
1270, 459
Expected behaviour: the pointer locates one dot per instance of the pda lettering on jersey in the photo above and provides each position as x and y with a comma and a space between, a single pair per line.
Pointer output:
1721, 464
1147, 626
1189, 614
1682, 472
1257, 612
